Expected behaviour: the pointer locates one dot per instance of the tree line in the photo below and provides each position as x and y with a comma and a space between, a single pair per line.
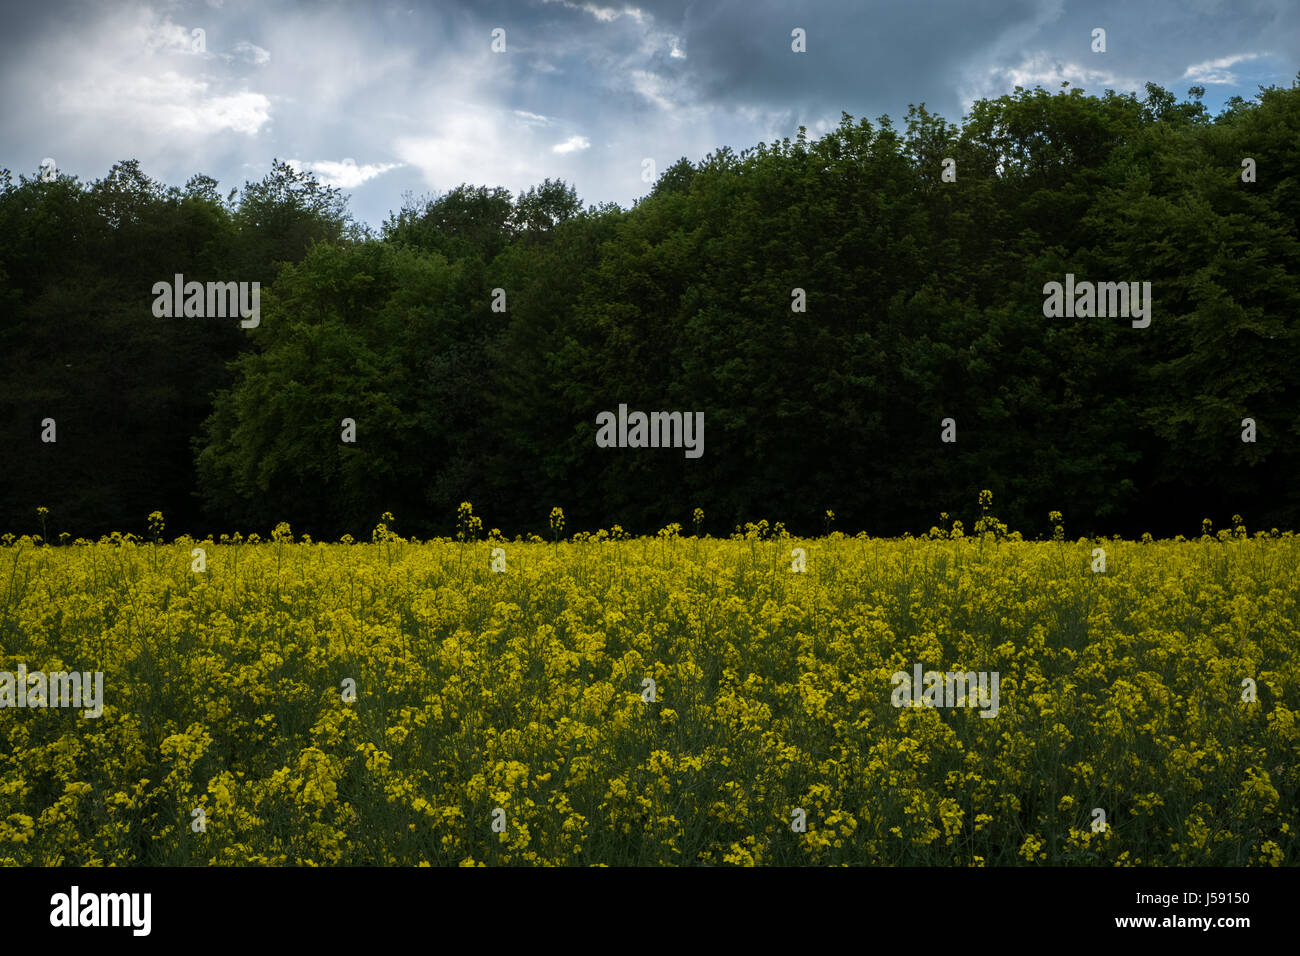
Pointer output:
474, 338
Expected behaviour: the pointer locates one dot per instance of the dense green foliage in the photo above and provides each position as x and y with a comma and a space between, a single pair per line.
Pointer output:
924, 301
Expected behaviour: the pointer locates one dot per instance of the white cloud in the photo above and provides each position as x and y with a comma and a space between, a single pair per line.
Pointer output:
170, 101
252, 53
135, 77
603, 14
652, 87
1216, 71
572, 144
346, 174
1042, 69
532, 119
472, 142
166, 36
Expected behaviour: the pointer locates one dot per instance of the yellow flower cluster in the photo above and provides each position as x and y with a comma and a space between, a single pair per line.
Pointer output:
665, 700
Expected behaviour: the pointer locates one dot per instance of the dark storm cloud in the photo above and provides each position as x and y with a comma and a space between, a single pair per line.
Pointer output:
860, 56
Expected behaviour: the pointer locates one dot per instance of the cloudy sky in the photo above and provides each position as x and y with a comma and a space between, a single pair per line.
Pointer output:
385, 98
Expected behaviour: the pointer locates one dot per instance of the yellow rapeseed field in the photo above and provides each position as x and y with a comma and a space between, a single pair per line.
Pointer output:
668, 700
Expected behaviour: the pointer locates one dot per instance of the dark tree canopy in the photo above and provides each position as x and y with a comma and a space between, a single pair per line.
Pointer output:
924, 301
